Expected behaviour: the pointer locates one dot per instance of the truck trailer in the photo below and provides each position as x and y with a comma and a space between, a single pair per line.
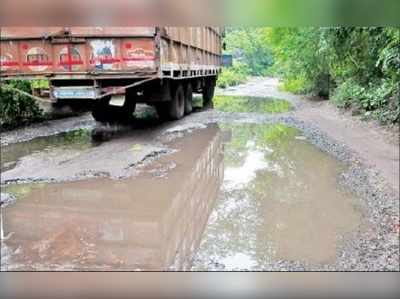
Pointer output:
117, 67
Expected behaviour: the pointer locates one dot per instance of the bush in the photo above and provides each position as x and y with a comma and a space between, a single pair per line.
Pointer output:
379, 100
357, 67
232, 76
295, 85
40, 84
17, 109
347, 94
249, 45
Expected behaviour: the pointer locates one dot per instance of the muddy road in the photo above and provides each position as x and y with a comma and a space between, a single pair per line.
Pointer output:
265, 181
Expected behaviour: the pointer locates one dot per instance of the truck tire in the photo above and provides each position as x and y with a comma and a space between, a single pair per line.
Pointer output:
162, 110
104, 112
188, 99
208, 92
127, 110
176, 107
99, 110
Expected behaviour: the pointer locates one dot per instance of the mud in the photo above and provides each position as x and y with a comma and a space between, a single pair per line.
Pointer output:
224, 189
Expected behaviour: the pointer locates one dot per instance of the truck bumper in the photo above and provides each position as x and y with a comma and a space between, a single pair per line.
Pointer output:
75, 92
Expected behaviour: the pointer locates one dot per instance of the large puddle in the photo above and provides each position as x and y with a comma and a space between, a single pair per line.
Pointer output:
251, 104
280, 201
239, 197
150, 222
242, 104
10, 155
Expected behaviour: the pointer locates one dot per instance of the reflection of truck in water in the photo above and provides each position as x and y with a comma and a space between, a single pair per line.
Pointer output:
144, 222
161, 66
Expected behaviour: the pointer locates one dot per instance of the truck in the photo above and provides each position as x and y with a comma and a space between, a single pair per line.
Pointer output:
114, 68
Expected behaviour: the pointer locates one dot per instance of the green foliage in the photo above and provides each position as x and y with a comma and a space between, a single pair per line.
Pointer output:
376, 100
250, 46
232, 76
251, 53
251, 104
17, 109
300, 58
40, 84
358, 66
295, 85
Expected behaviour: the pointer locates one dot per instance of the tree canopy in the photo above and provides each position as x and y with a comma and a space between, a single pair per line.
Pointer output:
356, 67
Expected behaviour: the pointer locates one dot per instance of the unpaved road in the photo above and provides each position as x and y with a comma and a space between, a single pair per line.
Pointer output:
308, 189
376, 146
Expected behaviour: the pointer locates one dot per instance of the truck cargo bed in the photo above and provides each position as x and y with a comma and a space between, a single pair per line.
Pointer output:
109, 52
162, 66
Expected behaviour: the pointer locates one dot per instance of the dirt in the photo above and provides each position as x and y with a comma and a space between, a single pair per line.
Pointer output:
307, 189
372, 144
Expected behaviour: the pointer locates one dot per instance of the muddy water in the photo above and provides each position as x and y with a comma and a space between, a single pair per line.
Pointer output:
241, 197
150, 222
244, 104
10, 155
280, 201
251, 104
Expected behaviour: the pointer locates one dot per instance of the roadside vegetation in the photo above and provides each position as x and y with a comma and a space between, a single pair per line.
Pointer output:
17, 109
357, 68
251, 53
233, 76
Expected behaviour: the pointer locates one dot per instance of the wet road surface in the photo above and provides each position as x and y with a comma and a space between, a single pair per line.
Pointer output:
279, 201
244, 187
152, 221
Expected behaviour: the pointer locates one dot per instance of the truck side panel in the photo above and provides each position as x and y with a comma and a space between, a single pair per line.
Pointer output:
83, 55
191, 51
117, 52
16, 33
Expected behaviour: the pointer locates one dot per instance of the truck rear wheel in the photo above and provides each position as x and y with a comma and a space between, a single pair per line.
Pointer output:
176, 107
208, 92
104, 112
188, 99
162, 110
99, 110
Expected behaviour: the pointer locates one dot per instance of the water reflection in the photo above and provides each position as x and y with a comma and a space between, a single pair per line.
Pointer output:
251, 104
151, 222
10, 154
280, 201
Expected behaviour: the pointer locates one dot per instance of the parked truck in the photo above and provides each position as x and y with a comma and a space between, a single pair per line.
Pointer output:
117, 67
